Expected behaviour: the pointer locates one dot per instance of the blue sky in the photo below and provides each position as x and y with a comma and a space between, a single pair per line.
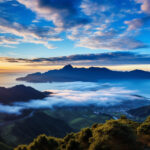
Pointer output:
33, 29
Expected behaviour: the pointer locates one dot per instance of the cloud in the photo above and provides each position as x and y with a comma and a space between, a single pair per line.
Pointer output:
116, 58
108, 39
101, 97
15, 33
115, 43
91, 24
3, 1
145, 7
63, 13
82, 94
134, 24
8, 41
106, 30
10, 109
137, 23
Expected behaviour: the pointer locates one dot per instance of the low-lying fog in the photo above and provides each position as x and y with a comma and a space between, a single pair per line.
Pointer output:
104, 93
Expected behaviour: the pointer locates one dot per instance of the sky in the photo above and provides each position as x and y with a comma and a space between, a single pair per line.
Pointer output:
44, 34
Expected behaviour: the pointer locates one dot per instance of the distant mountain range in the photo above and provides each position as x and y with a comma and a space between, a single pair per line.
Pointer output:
20, 93
92, 74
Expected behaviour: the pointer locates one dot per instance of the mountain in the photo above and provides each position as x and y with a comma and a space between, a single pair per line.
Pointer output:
121, 134
23, 130
69, 74
20, 93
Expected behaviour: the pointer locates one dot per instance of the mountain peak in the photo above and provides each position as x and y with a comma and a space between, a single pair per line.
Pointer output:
68, 67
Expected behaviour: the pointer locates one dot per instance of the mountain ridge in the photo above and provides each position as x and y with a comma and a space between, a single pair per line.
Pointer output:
92, 74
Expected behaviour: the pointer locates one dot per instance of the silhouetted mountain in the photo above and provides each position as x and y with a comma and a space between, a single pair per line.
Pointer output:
68, 67
69, 73
20, 93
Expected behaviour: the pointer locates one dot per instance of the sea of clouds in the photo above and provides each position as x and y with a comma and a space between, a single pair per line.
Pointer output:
77, 94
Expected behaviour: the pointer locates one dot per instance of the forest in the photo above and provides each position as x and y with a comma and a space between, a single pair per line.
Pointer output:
121, 134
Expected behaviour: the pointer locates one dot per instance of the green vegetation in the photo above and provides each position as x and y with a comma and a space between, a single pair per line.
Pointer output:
78, 117
24, 130
121, 134
52, 122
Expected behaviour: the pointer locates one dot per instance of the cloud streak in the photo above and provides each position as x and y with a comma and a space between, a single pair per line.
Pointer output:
16, 33
116, 58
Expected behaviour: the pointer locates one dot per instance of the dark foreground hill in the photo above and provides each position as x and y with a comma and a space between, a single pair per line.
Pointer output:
56, 122
25, 129
5, 147
69, 74
121, 134
20, 93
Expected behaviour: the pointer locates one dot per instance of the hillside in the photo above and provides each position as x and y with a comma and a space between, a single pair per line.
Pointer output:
53, 122
5, 147
140, 113
78, 117
69, 74
20, 93
25, 129
121, 134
